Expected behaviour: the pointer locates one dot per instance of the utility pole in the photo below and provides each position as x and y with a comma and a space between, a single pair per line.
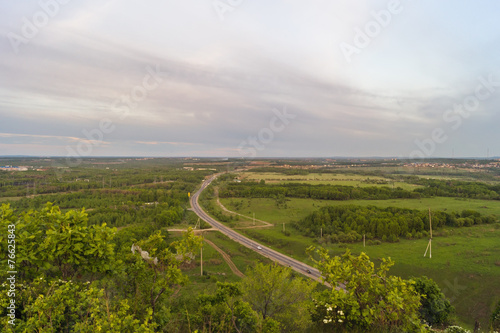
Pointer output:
201, 256
321, 232
254, 218
364, 245
429, 246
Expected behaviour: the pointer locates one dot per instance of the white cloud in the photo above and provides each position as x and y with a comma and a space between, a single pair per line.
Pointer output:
221, 78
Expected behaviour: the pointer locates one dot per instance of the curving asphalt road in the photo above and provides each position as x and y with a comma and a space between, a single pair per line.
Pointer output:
251, 244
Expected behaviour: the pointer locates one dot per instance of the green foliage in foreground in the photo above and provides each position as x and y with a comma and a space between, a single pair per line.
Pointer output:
269, 299
60, 306
435, 309
456, 329
60, 244
273, 293
365, 298
69, 279
70, 292
495, 318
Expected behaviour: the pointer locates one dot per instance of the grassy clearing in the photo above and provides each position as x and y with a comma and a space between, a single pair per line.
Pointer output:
213, 262
458, 177
465, 262
485, 207
266, 209
242, 256
215, 269
326, 179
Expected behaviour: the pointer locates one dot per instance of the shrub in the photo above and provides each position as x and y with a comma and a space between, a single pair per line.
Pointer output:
495, 318
435, 308
456, 329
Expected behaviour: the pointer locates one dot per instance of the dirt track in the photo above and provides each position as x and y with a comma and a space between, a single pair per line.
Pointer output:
265, 224
227, 258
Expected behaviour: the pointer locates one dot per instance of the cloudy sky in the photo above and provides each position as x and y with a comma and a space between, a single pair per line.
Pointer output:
250, 78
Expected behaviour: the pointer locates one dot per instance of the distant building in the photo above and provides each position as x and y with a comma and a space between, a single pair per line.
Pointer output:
13, 168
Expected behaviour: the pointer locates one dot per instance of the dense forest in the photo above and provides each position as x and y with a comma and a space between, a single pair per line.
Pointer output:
348, 223
157, 195
118, 207
457, 188
324, 192
53, 180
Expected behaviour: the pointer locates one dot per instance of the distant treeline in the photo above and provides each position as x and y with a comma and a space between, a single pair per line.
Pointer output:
45, 182
430, 188
348, 223
325, 192
456, 188
292, 172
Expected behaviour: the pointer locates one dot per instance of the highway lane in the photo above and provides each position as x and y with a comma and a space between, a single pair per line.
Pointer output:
251, 244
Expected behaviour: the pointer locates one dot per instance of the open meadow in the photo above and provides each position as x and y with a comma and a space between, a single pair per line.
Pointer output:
326, 178
465, 261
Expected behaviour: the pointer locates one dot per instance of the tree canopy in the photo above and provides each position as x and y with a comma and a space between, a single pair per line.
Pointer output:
364, 297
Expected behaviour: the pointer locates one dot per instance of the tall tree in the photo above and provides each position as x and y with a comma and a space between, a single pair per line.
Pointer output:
362, 297
225, 311
274, 293
154, 267
56, 243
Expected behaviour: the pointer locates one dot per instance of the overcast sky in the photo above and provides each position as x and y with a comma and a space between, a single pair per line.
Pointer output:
250, 78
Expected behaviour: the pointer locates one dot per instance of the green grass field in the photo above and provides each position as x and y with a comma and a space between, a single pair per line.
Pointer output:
465, 262
325, 179
213, 262
266, 209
